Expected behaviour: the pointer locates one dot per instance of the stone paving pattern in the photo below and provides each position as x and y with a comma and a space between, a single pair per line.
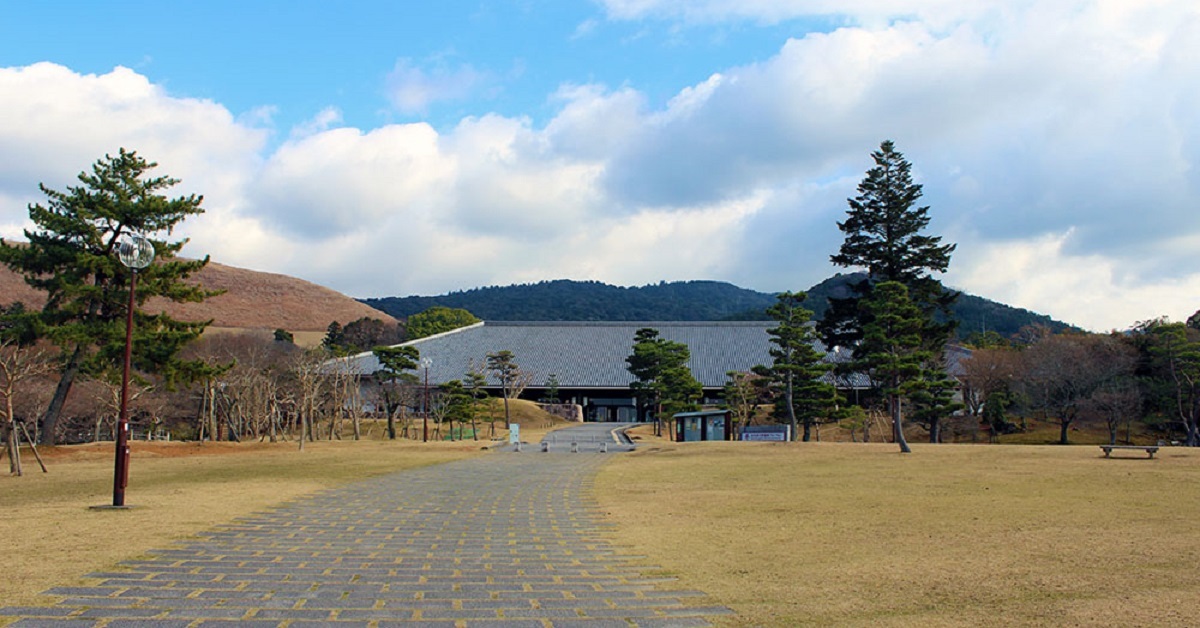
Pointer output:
506, 539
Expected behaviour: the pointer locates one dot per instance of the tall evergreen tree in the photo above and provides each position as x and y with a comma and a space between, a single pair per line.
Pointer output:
71, 256
798, 366
884, 235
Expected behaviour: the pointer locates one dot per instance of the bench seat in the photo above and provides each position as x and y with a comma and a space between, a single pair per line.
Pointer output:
1150, 449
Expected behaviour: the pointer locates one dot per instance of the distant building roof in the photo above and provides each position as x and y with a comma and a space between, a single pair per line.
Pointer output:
588, 354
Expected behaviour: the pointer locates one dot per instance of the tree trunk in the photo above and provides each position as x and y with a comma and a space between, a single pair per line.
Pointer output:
935, 431
54, 410
898, 425
789, 397
14, 449
13, 440
1062, 435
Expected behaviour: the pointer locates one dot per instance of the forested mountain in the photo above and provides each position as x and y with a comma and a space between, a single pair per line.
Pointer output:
565, 300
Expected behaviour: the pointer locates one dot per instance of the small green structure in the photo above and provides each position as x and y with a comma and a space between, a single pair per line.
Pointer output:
703, 425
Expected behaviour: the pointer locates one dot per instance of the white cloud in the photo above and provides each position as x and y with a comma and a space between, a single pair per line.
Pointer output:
1091, 291
1058, 143
56, 123
412, 89
323, 121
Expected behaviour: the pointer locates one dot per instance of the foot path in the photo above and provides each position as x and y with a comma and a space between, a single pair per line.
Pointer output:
505, 539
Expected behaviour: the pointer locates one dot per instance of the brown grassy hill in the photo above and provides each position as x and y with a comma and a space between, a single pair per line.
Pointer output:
253, 300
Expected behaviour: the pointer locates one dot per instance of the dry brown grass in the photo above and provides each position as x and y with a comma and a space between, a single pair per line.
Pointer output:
952, 535
50, 537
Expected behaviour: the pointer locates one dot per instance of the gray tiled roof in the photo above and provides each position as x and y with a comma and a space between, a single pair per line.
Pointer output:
589, 354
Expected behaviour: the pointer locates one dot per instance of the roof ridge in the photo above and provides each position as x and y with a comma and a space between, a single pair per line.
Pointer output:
628, 323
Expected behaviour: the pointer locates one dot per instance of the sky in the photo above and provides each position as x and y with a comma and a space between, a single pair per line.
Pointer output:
389, 148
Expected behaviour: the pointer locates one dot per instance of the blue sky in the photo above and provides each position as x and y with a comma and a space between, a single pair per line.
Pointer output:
297, 58
392, 148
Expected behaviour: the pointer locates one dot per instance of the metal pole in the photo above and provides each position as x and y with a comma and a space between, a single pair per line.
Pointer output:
121, 471
425, 419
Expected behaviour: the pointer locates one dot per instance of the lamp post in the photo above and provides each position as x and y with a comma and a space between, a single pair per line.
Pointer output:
135, 252
426, 362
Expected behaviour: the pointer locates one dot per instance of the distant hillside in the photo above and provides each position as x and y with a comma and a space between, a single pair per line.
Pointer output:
973, 313
253, 300
564, 300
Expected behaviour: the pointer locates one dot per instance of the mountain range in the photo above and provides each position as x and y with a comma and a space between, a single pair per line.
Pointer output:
259, 300
566, 300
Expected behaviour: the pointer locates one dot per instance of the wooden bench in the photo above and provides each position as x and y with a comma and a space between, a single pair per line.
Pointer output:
1108, 449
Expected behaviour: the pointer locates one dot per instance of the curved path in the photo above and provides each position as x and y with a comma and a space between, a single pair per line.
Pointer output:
505, 539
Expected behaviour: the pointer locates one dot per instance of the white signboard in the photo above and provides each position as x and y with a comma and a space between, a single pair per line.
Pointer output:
514, 433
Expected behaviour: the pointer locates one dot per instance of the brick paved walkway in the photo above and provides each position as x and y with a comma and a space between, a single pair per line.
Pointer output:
508, 539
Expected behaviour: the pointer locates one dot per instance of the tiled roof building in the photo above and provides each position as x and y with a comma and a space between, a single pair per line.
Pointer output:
588, 358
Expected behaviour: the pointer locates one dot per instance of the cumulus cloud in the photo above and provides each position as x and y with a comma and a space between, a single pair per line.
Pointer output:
57, 123
1079, 288
1057, 142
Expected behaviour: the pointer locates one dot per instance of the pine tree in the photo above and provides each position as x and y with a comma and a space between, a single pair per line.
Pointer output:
393, 364
798, 366
934, 400
892, 350
71, 256
503, 365
884, 236
663, 380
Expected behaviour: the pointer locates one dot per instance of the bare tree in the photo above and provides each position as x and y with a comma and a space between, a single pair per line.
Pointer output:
440, 406
1114, 403
345, 386
307, 368
742, 395
986, 372
1061, 373
109, 400
18, 365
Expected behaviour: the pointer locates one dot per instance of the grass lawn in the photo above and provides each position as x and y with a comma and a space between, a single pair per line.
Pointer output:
49, 536
951, 535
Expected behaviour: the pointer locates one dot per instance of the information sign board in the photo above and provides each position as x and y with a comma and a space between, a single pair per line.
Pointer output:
780, 433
